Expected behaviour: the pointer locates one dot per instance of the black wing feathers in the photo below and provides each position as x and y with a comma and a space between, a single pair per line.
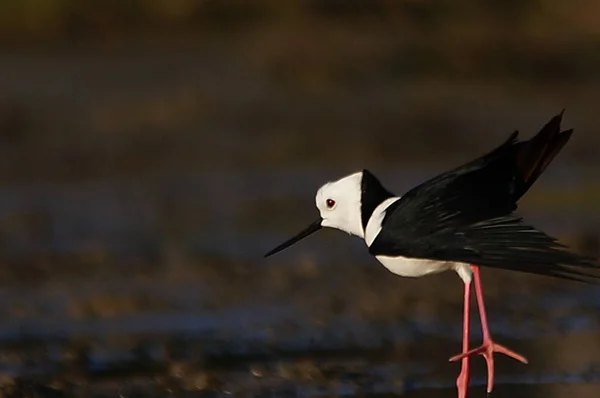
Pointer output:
508, 243
533, 156
466, 214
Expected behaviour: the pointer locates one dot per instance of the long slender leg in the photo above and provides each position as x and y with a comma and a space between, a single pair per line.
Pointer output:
462, 382
488, 347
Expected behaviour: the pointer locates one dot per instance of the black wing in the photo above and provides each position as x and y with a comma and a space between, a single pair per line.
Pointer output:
466, 214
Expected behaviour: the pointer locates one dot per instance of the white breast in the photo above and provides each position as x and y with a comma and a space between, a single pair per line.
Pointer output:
415, 267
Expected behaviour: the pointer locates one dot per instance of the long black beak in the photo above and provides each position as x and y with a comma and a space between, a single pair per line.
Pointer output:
312, 228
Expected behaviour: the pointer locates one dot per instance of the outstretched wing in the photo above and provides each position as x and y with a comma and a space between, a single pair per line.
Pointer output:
466, 215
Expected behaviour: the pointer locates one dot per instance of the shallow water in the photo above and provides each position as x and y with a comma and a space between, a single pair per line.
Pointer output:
252, 350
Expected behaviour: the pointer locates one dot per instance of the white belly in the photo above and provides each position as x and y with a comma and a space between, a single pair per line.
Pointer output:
415, 267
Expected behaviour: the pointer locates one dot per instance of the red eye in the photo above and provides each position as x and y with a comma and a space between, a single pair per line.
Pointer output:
330, 203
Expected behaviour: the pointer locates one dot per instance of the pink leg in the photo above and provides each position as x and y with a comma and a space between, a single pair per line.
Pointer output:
462, 382
488, 347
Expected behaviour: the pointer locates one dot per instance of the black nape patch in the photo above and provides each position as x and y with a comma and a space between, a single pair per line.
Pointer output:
372, 194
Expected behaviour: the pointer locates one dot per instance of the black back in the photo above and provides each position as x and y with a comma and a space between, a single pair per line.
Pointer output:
466, 214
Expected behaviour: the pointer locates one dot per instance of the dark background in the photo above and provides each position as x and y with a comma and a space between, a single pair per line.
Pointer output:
152, 151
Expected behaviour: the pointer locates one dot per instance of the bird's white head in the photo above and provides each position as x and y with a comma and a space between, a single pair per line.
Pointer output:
345, 204
339, 204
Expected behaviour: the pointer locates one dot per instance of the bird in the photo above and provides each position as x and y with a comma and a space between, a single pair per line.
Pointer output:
463, 220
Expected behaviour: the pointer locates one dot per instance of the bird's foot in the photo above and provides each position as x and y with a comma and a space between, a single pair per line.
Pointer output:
487, 349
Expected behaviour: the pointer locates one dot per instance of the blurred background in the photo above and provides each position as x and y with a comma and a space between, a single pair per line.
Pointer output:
152, 151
